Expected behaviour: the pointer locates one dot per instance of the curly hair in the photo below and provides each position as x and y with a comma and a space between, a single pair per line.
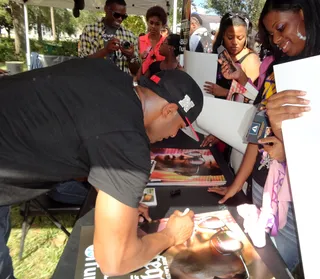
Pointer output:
119, 2
158, 12
174, 40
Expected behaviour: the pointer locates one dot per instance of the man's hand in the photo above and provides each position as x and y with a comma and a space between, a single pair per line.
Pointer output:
128, 52
112, 45
214, 89
227, 192
274, 147
180, 228
143, 211
209, 140
283, 106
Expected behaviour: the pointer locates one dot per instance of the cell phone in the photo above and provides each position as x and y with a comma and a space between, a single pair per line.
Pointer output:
224, 55
146, 52
260, 127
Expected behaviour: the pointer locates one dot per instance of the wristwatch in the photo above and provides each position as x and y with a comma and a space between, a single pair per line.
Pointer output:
134, 59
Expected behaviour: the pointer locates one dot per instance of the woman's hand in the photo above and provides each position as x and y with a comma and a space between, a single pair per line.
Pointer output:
209, 140
275, 148
214, 89
227, 192
239, 75
283, 106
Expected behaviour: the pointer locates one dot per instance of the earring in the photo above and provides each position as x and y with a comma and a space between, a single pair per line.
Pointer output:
300, 36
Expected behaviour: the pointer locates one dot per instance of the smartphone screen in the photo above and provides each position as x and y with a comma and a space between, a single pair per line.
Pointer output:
224, 55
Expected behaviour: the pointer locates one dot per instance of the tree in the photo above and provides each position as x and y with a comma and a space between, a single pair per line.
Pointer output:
88, 17
5, 17
65, 22
38, 16
135, 24
18, 25
251, 7
41, 16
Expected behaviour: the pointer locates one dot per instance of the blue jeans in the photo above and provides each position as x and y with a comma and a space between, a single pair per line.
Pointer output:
6, 268
72, 192
287, 239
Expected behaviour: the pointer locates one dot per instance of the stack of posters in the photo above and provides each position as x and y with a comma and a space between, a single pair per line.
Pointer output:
185, 167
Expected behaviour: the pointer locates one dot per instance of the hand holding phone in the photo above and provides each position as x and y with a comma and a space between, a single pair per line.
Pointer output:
224, 55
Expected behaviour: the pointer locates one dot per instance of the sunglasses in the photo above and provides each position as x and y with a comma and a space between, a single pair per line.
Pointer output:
117, 15
223, 241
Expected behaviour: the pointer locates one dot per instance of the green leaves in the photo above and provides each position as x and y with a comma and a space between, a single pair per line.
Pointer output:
251, 7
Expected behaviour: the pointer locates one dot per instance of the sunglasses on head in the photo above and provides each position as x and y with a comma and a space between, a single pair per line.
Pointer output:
117, 15
232, 15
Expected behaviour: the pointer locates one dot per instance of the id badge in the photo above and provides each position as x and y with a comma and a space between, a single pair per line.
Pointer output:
260, 127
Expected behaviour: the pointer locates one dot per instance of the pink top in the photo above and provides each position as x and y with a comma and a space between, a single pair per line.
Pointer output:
153, 55
272, 216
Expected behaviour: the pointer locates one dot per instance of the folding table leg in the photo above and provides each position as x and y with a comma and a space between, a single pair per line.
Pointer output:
51, 217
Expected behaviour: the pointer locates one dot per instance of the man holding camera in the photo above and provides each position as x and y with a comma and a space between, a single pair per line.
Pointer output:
108, 39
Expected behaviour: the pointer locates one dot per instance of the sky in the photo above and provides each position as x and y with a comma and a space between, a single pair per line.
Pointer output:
201, 10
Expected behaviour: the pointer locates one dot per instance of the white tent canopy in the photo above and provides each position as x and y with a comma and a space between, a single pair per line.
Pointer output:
136, 7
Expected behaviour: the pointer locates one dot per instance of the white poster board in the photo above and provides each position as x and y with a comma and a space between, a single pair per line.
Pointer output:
228, 121
201, 67
302, 139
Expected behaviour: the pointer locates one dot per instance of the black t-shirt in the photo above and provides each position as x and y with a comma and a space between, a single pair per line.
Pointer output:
76, 119
154, 68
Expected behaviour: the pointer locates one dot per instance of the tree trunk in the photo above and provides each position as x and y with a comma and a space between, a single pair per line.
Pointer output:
18, 26
39, 29
9, 32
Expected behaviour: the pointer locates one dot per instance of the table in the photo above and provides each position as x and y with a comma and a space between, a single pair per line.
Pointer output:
204, 202
166, 205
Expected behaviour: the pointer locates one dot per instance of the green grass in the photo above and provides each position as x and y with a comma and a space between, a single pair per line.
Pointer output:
44, 245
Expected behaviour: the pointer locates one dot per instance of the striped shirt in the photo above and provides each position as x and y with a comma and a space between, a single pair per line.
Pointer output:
92, 40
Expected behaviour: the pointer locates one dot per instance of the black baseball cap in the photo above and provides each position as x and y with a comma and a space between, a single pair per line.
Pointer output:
176, 86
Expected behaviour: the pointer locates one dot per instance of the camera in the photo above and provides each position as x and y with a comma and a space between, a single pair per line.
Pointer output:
125, 44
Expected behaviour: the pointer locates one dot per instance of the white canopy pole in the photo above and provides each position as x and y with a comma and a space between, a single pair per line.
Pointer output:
26, 27
175, 11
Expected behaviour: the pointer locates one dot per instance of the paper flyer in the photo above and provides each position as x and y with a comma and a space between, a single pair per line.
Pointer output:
301, 139
228, 121
217, 249
201, 67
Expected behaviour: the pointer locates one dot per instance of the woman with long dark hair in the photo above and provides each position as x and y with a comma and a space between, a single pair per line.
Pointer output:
235, 34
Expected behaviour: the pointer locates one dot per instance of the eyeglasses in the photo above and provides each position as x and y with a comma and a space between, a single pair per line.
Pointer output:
117, 15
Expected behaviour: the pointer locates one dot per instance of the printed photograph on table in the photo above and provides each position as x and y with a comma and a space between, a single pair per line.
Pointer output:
185, 167
218, 248
149, 197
